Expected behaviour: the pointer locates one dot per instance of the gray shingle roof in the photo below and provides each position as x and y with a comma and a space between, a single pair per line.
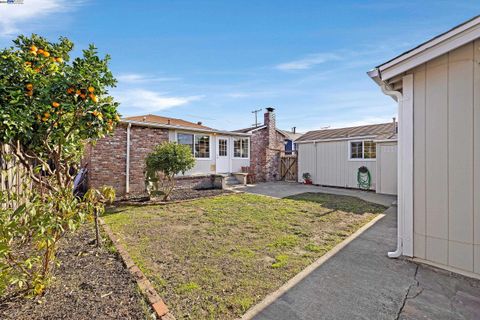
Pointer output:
381, 130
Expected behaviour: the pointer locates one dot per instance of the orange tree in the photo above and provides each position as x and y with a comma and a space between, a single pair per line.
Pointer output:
50, 107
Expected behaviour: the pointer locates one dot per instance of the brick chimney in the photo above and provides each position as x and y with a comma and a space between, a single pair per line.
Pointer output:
269, 118
271, 152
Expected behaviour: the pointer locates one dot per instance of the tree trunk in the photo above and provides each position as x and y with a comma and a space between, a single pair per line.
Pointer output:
97, 229
169, 189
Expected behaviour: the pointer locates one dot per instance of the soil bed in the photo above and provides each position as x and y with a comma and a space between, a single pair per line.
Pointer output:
90, 283
177, 195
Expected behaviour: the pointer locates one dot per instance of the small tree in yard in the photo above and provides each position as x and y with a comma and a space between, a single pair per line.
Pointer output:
50, 108
164, 163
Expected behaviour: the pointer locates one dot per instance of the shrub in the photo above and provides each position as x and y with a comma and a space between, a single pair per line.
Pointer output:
164, 163
50, 107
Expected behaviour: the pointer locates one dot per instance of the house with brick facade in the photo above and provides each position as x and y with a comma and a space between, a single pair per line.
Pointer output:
268, 144
118, 160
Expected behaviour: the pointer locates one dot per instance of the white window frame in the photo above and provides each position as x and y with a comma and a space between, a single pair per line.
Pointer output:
349, 146
195, 140
248, 149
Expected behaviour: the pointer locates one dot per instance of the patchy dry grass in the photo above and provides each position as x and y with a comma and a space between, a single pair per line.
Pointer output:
214, 258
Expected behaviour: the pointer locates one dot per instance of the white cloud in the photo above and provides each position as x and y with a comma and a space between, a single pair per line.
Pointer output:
13, 17
150, 101
140, 78
308, 62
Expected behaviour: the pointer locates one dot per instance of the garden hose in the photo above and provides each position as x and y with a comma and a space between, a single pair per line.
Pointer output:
364, 178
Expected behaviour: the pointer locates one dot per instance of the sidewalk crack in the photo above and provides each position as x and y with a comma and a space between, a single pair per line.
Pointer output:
407, 296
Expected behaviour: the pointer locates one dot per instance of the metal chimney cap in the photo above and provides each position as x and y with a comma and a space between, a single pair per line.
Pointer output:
270, 109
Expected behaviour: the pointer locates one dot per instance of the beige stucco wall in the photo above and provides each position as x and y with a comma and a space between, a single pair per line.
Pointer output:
387, 168
447, 159
329, 164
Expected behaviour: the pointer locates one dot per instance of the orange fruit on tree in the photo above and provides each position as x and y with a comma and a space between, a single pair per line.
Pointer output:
40, 51
83, 96
56, 104
91, 89
37, 70
46, 54
70, 90
28, 63
93, 97
78, 92
46, 115
33, 48
59, 60
29, 86
29, 93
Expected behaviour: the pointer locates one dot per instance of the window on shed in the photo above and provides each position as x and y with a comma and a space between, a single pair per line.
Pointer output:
356, 150
369, 150
363, 150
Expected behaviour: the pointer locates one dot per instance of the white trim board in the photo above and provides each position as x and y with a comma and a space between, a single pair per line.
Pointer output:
405, 165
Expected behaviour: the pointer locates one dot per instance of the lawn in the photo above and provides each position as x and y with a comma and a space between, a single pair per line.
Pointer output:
214, 258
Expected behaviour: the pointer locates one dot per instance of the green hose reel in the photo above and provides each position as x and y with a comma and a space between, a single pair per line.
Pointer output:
364, 178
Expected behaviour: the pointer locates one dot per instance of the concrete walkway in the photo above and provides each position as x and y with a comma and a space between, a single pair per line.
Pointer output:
284, 189
360, 282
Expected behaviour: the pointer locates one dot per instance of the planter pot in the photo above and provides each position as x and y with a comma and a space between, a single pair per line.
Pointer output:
308, 181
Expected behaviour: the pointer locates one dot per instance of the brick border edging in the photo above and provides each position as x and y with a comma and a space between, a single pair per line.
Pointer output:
146, 288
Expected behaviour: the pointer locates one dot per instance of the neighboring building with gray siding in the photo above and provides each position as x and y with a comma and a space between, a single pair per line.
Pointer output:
334, 156
437, 86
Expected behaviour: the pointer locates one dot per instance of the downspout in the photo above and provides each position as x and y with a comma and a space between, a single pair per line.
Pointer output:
127, 167
397, 96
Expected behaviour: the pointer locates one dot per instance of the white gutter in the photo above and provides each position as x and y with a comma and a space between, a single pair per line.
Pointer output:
127, 170
397, 95
169, 126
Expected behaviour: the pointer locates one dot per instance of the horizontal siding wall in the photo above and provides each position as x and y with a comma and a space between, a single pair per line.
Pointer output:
446, 159
329, 165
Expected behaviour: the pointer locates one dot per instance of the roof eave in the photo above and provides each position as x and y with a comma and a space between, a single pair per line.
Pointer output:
174, 127
435, 47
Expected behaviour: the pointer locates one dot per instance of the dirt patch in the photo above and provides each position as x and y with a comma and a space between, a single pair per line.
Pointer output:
90, 283
224, 254
176, 196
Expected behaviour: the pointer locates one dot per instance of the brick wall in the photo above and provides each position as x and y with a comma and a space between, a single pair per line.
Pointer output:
107, 159
266, 147
142, 142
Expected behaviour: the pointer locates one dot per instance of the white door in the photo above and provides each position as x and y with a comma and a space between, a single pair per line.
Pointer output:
223, 155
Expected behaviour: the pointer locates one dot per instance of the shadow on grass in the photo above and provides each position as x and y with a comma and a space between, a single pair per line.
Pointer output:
340, 203
109, 210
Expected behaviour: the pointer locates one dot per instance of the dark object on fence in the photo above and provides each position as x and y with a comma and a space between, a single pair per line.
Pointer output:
80, 183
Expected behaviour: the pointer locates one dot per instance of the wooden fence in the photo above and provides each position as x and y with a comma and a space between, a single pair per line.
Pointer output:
288, 168
11, 176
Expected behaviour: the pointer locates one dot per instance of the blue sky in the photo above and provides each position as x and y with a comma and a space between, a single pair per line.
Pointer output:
216, 61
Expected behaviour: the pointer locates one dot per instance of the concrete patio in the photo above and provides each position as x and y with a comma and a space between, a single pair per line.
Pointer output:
360, 282
282, 189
